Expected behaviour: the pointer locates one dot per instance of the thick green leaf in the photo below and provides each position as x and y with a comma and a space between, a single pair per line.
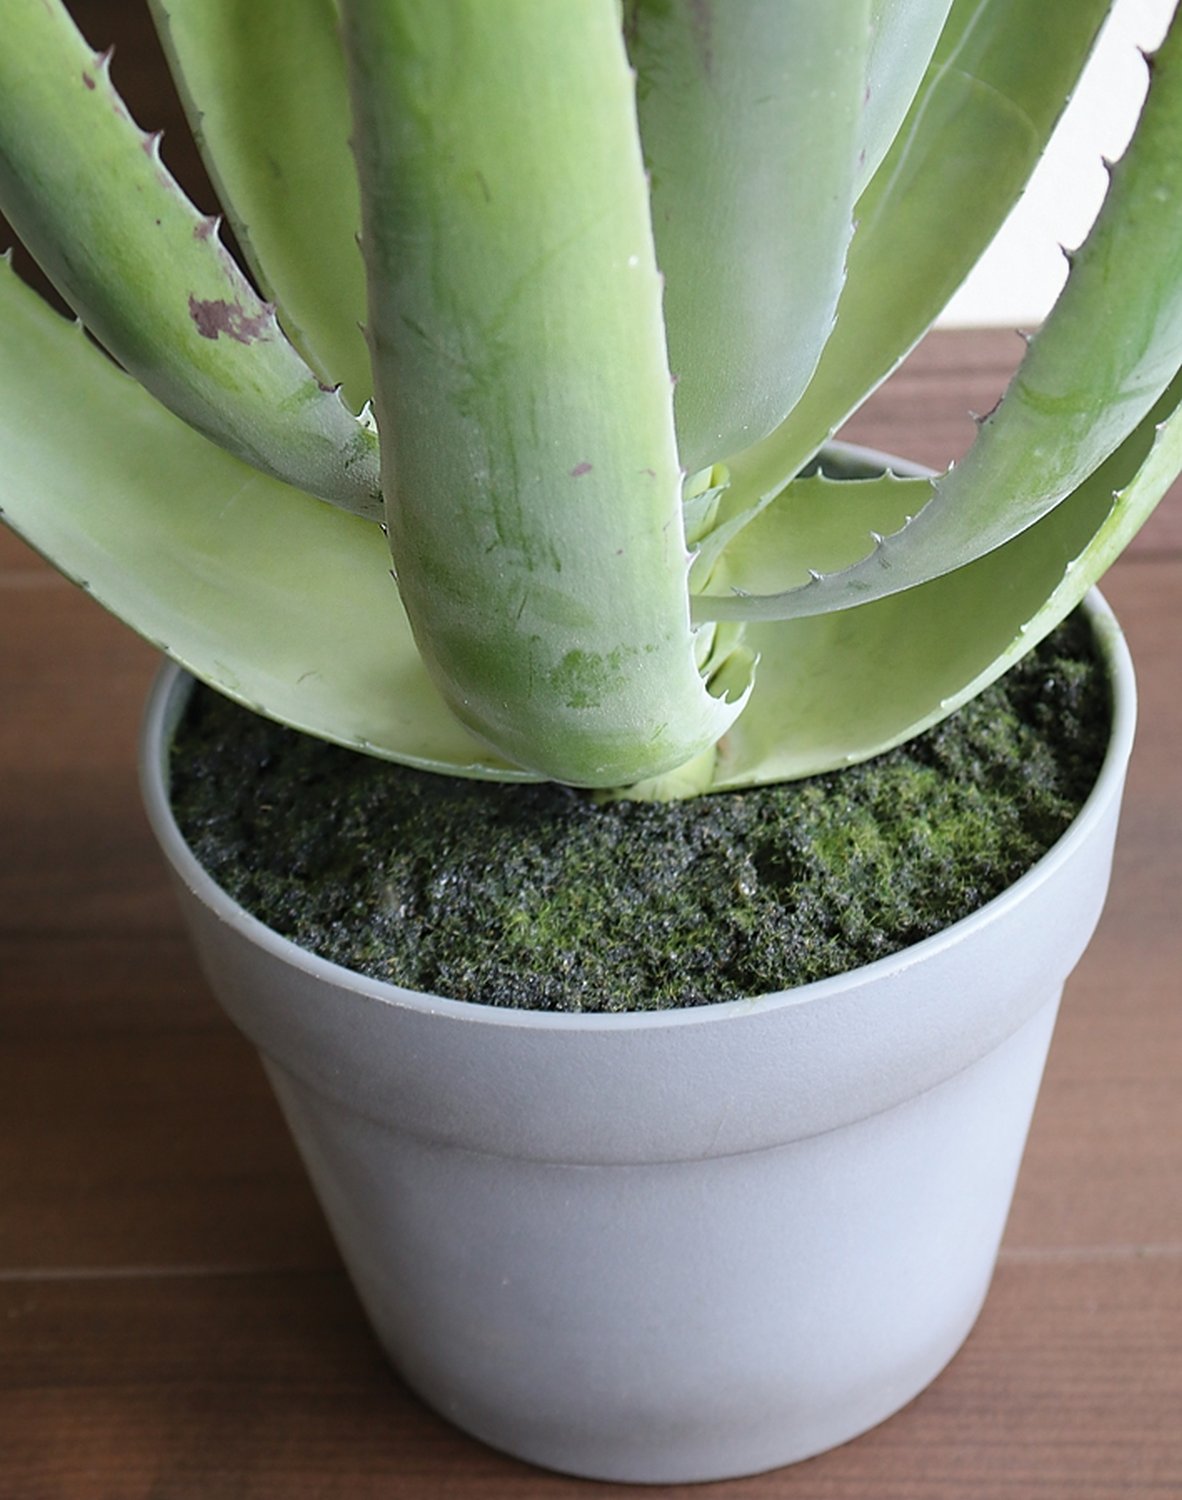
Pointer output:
281, 602
515, 324
751, 119
838, 688
903, 37
264, 85
1103, 358
816, 525
88, 194
996, 86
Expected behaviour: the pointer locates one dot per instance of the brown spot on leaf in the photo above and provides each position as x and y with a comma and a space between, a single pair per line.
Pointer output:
215, 317
702, 23
87, 79
580, 469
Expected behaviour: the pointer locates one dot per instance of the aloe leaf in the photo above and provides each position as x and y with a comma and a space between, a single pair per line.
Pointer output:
816, 526
263, 82
1103, 358
533, 502
1130, 500
973, 135
838, 688
750, 118
297, 618
903, 37
88, 194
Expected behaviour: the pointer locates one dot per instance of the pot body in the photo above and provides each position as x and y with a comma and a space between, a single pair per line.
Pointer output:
675, 1246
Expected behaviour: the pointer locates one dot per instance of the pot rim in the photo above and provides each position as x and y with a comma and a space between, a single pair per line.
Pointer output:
166, 701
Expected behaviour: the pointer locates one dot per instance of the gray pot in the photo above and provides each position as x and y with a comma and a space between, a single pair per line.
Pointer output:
675, 1246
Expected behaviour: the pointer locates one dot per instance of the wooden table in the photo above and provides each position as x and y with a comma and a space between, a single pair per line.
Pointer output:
174, 1321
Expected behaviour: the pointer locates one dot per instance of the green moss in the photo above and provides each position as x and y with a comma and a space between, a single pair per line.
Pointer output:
537, 896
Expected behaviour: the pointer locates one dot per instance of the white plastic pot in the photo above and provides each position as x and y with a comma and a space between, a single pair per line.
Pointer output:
674, 1246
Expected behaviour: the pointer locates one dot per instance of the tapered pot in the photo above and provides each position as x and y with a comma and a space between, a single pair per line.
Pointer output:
682, 1245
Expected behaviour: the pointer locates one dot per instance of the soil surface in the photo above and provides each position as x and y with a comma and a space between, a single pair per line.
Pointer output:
537, 896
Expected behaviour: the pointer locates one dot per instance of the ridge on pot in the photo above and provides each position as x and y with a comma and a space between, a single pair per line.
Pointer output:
676, 1245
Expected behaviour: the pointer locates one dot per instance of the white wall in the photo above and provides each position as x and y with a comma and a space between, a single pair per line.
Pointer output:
1021, 273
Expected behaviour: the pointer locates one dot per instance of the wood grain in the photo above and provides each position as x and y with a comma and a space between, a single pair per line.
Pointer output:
196, 1387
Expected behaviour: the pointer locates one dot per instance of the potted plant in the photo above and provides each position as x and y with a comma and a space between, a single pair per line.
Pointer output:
646, 1246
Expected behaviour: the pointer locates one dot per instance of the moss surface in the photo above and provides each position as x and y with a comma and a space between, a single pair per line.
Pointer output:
536, 896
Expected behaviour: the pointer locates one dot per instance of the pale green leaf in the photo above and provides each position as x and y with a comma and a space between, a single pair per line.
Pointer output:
1107, 351
515, 324
751, 119
264, 86
837, 688
88, 194
972, 137
903, 37
280, 602
815, 526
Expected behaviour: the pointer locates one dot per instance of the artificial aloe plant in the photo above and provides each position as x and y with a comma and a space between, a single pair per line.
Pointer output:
623, 271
